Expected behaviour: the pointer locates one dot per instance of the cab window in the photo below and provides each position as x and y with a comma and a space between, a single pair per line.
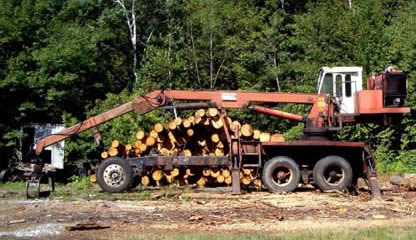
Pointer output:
348, 85
338, 85
328, 84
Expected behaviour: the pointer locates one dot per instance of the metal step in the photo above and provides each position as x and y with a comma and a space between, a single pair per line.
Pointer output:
250, 154
251, 165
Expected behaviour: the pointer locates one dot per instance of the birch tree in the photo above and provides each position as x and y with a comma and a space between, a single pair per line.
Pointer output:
130, 17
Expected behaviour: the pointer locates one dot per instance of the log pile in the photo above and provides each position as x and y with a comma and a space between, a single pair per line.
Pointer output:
200, 134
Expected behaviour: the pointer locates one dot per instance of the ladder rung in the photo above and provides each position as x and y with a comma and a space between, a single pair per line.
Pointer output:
251, 165
250, 154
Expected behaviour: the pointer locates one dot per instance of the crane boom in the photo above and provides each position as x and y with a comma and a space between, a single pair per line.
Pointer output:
160, 98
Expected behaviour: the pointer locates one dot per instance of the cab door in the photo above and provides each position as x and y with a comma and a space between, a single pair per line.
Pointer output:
344, 90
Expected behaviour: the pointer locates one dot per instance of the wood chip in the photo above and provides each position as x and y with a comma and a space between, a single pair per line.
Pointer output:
85, 226
16, 221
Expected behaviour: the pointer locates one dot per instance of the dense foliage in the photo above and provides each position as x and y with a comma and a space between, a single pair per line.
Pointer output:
65, 60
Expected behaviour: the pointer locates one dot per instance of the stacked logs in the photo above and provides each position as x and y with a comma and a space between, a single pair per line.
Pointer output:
201, 134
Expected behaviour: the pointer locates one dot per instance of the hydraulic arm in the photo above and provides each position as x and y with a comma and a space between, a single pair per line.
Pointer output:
317, 118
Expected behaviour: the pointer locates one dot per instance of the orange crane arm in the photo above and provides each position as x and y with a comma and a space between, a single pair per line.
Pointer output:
221, 99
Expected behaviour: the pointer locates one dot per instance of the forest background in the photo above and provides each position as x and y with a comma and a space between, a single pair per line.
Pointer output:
62, 61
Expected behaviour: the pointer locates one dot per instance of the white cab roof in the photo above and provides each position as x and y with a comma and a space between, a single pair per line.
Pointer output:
342, 69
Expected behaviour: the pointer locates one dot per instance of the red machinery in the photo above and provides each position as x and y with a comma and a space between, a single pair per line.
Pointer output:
329, 164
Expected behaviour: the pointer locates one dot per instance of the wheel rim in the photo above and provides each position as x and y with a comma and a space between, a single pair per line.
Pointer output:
114, 175
282, 176
334, 175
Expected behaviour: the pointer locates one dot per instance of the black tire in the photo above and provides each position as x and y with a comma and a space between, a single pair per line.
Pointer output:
332, 172
4, 175
272, 178
115, 175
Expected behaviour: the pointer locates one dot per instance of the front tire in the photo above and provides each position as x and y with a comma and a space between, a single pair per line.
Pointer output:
332, 173
281, 174
115, 175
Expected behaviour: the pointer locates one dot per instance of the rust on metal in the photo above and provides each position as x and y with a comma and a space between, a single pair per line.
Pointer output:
315, 143
371, 102
150, 161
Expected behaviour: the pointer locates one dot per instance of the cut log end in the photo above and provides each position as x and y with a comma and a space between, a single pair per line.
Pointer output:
172, 125
145, 181
150, 141
104, 155
115, 143
158, 127
215, 138
212, 112
140, 135
247, 130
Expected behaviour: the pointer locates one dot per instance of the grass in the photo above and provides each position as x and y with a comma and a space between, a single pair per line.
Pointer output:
397, 233
82, 188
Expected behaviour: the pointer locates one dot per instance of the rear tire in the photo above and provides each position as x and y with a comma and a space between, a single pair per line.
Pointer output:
115, 175
281, 174
332, 172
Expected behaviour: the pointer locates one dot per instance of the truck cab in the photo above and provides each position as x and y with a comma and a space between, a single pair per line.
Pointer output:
342, 83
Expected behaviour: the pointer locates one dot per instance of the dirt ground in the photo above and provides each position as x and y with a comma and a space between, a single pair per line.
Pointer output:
207, 212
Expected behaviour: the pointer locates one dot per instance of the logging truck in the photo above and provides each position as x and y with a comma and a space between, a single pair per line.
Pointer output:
316, 158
